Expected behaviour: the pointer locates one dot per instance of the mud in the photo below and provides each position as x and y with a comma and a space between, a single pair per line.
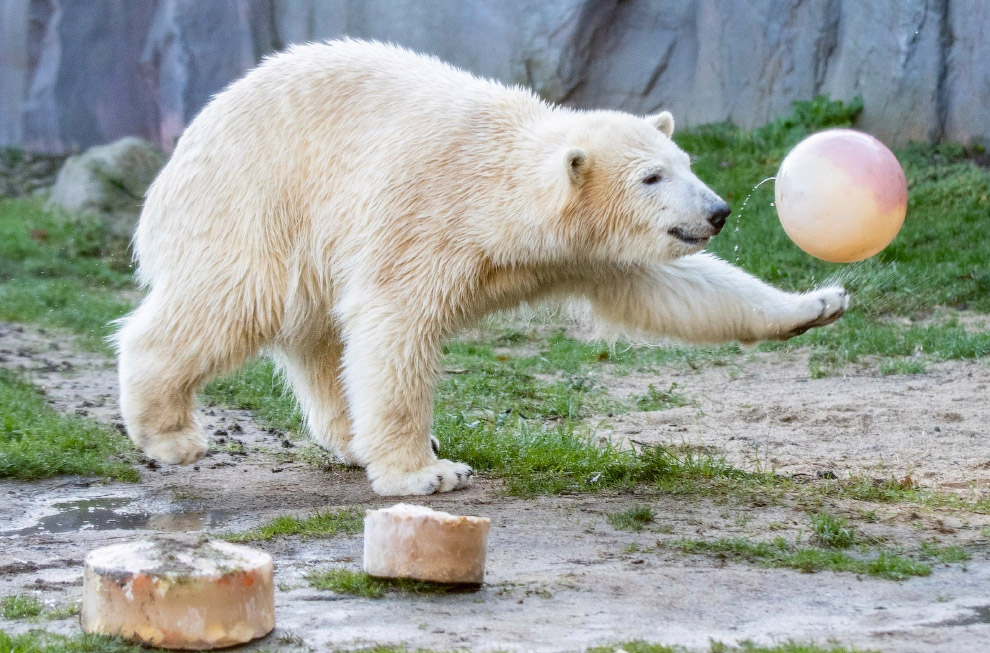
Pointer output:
559, 577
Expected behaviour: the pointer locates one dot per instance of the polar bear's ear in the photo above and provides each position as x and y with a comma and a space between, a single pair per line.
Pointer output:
663, 121
576, 161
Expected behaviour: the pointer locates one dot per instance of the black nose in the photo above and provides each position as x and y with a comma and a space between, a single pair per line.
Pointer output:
718, 215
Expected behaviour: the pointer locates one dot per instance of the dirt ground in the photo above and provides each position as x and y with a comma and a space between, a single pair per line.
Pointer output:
768, 414
559, 577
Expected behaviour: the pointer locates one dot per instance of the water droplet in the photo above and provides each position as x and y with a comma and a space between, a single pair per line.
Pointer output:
746, 201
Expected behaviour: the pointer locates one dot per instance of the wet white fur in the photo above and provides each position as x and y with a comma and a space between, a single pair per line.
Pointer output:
346, 207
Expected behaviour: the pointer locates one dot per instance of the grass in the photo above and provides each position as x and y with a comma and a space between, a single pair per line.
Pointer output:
861, 488
61, 274
24, 606
833, 532
654, 399
780, 553
944, 554
258, 388
39, 641
718, 647
633, 519
39, 442
834, 537
345, 581
325, 523
21, 607
358, 583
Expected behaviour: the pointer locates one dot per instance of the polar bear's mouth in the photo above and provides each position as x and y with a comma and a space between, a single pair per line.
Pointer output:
686, 237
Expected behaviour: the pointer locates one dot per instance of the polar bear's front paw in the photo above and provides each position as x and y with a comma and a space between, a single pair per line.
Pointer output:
440, 476
183, 447
820, 307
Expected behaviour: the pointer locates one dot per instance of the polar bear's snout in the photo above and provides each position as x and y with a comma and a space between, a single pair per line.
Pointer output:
718, 214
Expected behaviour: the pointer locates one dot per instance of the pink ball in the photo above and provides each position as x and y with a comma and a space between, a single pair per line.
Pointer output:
841, 195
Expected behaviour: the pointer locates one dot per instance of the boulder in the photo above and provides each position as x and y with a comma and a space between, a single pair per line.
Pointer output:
108, 182
27, 173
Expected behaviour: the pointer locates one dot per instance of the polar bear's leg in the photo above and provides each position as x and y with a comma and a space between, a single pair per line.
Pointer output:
703, 299
165, 355
313, 369
390, 366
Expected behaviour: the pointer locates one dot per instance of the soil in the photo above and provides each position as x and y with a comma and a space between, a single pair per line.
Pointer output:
559, 577
768, 414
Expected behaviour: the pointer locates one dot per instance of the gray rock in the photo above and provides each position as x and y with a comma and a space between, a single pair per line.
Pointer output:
27, 173
108, 182
74, 74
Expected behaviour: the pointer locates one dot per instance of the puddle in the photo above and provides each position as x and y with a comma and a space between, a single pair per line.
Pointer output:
108, 515
981, 615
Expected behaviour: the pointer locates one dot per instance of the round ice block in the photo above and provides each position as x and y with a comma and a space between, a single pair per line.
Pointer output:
179, 593
841, 195
407, 541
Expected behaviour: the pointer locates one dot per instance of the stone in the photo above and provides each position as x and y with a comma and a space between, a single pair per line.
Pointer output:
27, 173
108, 183
76, 74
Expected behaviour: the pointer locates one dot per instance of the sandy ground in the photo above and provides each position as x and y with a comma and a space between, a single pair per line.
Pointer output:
559, 577
768, 414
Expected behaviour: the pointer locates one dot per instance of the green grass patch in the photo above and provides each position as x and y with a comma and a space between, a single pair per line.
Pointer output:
345, 581
325, 523
534, 459
257, 387
654, 399
39, 442
834, 536
945, 554
500, 386
633, 519
900, 366
872, 490
60, 274
61, 612
39, 641
358, 583
857, 336
21, 607
718, 647
780, 553
833, 532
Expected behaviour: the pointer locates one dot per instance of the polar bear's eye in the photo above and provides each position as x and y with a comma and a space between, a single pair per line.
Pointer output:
652, 179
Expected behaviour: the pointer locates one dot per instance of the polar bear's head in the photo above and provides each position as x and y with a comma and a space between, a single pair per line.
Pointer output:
632, 195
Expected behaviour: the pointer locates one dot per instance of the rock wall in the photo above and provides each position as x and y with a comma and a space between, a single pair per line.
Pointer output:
74, 74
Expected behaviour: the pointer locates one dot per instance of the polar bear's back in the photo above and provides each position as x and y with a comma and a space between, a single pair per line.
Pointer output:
318, 133
346, 98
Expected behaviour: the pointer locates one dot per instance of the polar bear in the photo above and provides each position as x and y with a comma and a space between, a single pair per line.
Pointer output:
346, 207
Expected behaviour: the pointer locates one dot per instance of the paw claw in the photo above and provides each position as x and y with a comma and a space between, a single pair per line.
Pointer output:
440, 476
